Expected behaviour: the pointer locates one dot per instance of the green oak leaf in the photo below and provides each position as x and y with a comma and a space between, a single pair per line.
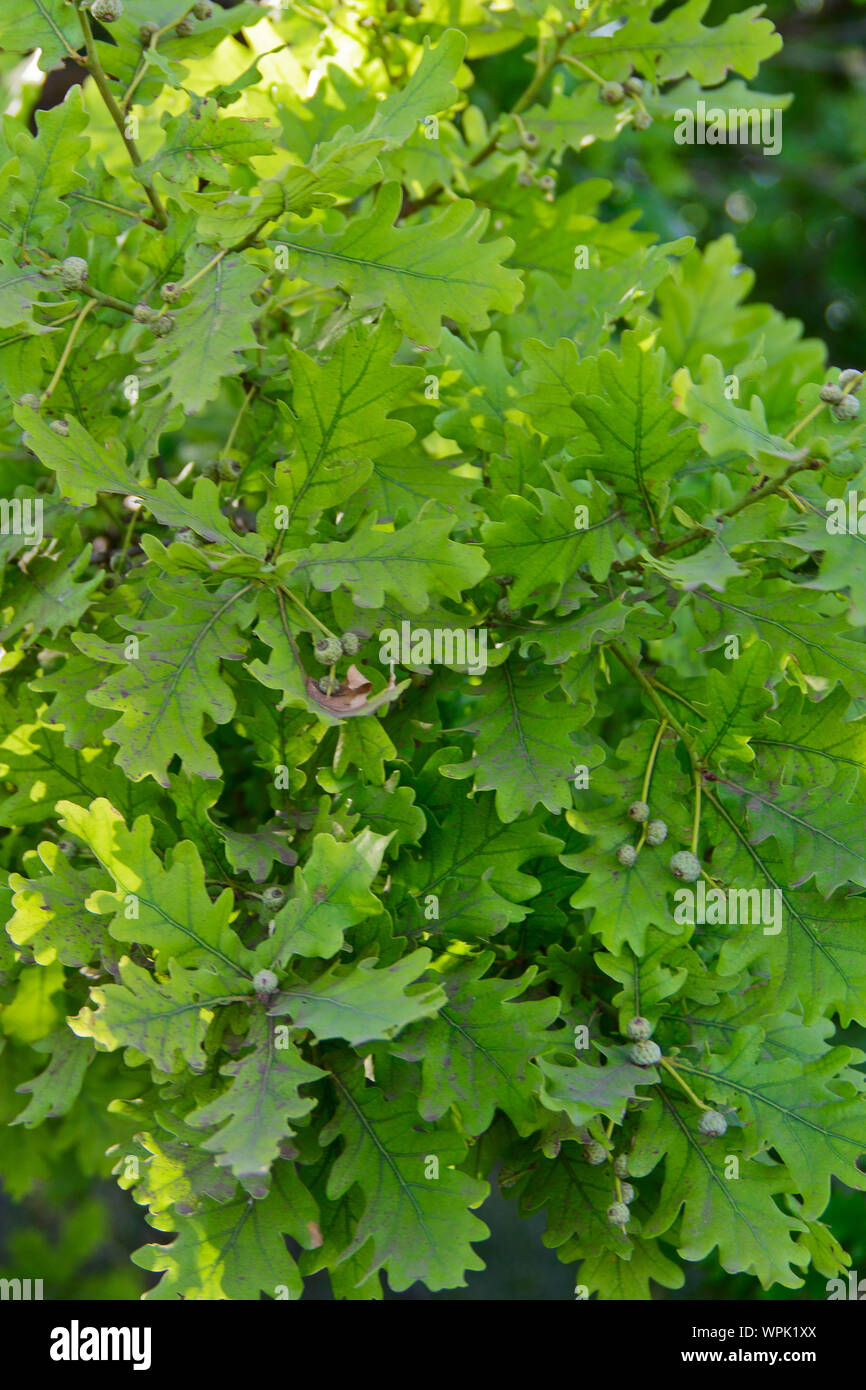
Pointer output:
478, 1052
47, 169
680, 44
55, 1090
361, 1003
50, 917
583, 1090
419, 272
208, 336
165, 905
741, 1219
48, 25
255, 1110
409, 563
199, 143
163, 1021
332, 891
632, 422
541, 542
420, 1228
167, 688
523, 748
233, 1250
796, 1110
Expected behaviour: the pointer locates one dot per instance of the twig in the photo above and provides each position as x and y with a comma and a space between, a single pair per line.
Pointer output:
64, 356
97, 72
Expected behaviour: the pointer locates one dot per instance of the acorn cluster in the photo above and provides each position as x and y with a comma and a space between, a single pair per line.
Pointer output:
842, 395
615, 93
654, 833
595, 1154
684, 864
74, 271
329, 650
643, 1052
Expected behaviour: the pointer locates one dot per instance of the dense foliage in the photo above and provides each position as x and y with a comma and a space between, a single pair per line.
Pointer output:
433, 674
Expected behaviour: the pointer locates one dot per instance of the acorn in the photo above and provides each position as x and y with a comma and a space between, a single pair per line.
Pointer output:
73, 272
328, 650
106, 11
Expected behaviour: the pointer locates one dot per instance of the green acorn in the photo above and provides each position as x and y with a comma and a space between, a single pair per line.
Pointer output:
618, 1214
638, 810
627, 1192
106, 11
656, 832
529, 140
328, 650
60, 427
611, 93
202, 9
626, 854
146, 33
712, 1123
638, 1029
848, 408
229, 470
526, 178
620, 1166
274, 896
851, 374
73, 272
594, 1152
28, 399
685, 865
641, 120
185, 27
645, 1053
142, 313
634, 86
350, 642
830, 394
547, 182
162, 325
265, 983
170, 292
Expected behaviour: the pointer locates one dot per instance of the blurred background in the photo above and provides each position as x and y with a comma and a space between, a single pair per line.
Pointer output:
799, 216
800, 220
